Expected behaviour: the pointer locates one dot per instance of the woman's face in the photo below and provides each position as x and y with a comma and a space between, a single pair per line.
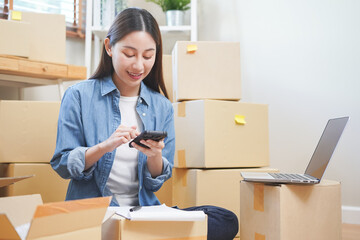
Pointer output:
133, 58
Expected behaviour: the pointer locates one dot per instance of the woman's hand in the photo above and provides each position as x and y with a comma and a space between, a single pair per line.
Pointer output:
154, 154
122, 134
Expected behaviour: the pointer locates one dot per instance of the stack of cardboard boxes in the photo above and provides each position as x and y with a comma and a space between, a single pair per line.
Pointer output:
27, 143
217, 136
28, 128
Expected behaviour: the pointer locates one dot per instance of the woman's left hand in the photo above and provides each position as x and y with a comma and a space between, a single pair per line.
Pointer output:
154, 154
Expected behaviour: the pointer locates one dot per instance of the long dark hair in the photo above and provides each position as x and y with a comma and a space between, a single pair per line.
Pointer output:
128, 21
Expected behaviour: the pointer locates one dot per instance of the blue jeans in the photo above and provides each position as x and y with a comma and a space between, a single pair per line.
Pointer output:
222, 223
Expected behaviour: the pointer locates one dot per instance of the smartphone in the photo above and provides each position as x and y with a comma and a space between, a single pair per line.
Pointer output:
145, 135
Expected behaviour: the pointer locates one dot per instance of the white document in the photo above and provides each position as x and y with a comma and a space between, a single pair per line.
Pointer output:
159, 213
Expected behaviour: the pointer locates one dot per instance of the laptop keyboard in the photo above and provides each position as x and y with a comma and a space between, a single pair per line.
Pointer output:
288, 176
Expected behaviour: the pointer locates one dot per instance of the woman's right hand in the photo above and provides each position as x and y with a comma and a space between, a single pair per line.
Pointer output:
123, 134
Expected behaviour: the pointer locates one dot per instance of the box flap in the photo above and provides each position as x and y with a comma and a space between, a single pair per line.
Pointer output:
7, 230
5, 181
60, 217
20, 209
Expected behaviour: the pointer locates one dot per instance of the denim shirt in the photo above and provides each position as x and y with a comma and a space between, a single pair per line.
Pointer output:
89, 114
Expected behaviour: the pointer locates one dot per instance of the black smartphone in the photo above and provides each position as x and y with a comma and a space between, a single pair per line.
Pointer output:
145, 135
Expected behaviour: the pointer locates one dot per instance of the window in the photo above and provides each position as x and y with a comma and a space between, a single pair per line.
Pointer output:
74, 11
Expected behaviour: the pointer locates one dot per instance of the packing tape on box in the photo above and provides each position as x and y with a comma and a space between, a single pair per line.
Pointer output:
181, 158
191, 48
184, 179
259, 236
182, 109
240, 119
259, 197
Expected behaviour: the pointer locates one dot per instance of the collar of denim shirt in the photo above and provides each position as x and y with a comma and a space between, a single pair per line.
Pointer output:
107, 86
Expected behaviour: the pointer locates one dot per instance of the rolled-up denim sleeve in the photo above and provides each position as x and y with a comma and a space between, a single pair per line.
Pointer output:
154, 184
69, 157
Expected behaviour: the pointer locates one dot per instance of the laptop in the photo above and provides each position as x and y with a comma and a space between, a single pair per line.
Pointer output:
318, 163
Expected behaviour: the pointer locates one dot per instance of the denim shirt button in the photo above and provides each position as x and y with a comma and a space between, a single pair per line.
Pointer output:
144, 114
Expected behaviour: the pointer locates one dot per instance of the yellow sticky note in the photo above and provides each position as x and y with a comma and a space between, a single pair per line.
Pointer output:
191, 48
240, 119
16, 15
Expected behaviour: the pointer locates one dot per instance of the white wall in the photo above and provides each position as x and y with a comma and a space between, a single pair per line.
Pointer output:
303, 59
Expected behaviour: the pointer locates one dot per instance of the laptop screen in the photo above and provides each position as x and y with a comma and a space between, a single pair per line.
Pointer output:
326, 147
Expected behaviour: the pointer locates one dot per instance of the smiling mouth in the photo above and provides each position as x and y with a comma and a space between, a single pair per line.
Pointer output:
135, 75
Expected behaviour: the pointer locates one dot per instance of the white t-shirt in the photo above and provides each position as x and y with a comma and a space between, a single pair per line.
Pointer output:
123, 181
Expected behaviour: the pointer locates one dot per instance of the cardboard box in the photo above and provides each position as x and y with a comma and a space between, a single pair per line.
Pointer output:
289, 211
28, 130
221, 134
45, 181
218, 187
206, 70
167, 74
165, 193
118, 228
47, 35
79, 219
6, 181
14, 38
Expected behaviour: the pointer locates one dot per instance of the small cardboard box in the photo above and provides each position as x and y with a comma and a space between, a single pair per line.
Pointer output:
290, 211
14, 38
218, 187
78, 219
28, 130
221, 134
167, 74
47, 35
206, 70
45, 181
119, 228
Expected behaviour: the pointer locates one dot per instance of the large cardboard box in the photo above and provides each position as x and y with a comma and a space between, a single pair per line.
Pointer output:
167, 74
206, 70
28, 130
221, 134
288, 211
47, 35
218, 187
119, 228
79, 219
165, 193
14, 38
45, 181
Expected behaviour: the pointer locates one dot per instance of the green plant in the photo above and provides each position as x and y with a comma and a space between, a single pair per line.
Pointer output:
172, 4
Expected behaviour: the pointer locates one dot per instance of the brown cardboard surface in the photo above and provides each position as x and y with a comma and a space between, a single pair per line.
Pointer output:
73, 215
45, 181
218, 187
164, 194
120, 229
289, 209
5, 181
14, 38
167, 74
28, 130
82, 219
210, 72
47, 36
207, 135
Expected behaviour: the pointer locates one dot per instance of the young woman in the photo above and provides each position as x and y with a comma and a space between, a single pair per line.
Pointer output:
100, 116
